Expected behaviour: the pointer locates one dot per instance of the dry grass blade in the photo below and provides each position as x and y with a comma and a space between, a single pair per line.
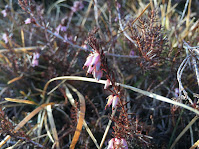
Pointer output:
15, 79
52, 124
5, 140
107, 129
54, 5
22, 38
25, 49
24, 121
87, 13
196, 144
31, 115
90, 133
184, 130
18, 142
81, 117
40, 120
56, 87
72, 101
3, 44
47, 128
149, 94
188, 14
21, 101
138, 16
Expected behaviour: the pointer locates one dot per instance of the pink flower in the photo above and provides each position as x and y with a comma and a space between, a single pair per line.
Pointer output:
107, 84
115, 101
5, 38
27, 21
4, 13
112, 100
116, 143
35, 60
63, 28
84, 46
77, 5
60, 28
57, 29
132, 53
96, 59
97, 74
88, 60
93, 62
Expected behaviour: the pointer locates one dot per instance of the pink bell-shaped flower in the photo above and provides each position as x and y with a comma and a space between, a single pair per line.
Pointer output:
107, 84
27, 21
115, 101
116, 143
112, 100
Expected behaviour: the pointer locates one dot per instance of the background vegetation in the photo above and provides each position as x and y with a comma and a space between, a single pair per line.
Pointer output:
151, 45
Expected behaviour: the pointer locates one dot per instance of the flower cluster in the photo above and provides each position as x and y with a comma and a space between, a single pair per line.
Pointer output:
112, 100
116, 143
93, 62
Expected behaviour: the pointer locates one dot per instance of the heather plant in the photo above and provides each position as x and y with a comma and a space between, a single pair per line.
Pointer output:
65, 66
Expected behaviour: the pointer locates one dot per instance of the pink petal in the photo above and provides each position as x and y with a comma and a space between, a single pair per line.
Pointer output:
77, 6
57, 29
94, 72
98, 66
110, 100
5, 38
88, 60
35, 63
115, 101
84, 46
63, 28
110, 144
90, 69
27, 21
124, 143
96, 58
117, 141
37, 55
107, 84
99, 75
4, 13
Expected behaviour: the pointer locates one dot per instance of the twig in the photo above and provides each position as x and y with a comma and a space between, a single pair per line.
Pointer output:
179, 75
196, 69
122, 28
